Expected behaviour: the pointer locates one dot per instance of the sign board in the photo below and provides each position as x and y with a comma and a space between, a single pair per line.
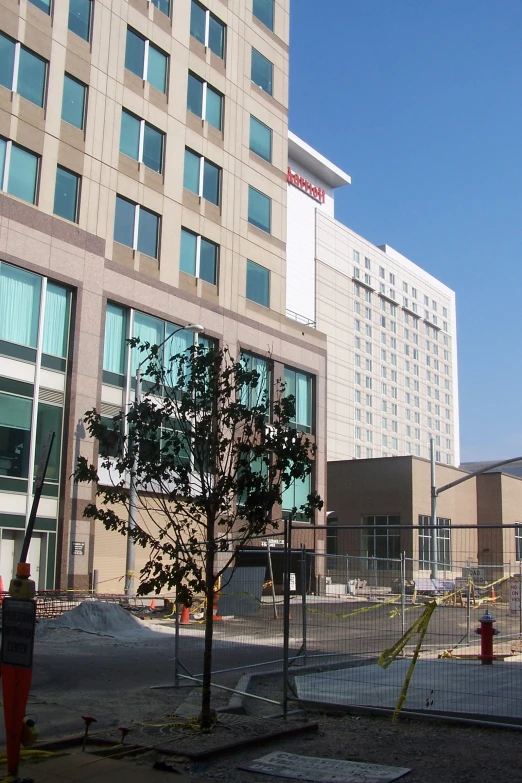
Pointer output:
319, 194
18, 626
477, 575
514, 597
77, 547
273, 542
293, 583
290, 765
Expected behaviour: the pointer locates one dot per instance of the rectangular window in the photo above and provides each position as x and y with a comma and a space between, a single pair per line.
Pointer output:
262, 72
299, 386
202, 177
15, 435
443, 534
204, 101
49, 417
146, 60
259, 209
136, 227
80, 18
66, 194
381, 542
18, 171
207, 29
198, 256
56, 321
19, 306
258, 284
141, 141
518, 542
295, 497
22, 71
114, 349
73, 101
260, 139
163, 6
264, 11
258, 395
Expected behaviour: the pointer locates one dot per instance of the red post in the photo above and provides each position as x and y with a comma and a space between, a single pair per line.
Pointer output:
486, 633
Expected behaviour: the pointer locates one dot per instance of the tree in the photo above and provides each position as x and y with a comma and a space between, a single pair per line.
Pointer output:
212, 450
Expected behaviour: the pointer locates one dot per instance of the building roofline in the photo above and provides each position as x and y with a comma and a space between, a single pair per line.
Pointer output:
316, 163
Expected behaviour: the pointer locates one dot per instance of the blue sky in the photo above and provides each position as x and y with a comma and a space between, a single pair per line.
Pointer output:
420, 102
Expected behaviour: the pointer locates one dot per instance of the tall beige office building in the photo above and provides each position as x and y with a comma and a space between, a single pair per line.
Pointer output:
143, 165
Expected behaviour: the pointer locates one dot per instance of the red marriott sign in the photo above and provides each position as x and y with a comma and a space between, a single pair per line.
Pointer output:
300, 182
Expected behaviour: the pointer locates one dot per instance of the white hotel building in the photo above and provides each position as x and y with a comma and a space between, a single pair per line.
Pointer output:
391, 327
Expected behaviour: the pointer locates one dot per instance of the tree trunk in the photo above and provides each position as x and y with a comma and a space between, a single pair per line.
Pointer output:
206, 715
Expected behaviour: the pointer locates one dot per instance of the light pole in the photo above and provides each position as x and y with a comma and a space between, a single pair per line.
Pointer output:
436, 491
130, 559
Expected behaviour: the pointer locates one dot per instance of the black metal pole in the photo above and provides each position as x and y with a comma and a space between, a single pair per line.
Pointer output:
38, 487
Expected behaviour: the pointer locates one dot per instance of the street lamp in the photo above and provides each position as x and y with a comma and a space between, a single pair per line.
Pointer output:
436, 491
130, 559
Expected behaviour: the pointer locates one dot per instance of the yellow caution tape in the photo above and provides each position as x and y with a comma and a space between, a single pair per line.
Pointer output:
420, 626
344, 615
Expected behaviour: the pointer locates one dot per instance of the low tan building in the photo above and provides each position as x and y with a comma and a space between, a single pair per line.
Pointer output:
499, 502
379, 511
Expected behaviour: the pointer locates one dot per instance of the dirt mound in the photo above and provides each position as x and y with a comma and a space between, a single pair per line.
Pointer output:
98, 617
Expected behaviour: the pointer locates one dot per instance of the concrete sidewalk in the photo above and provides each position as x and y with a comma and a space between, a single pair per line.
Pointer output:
86, 767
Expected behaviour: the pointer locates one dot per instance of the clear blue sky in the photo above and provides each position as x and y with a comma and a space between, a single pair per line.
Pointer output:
420, 101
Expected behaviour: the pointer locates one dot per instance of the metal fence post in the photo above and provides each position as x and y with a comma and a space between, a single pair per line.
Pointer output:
286, 609
303, 597
468, 607
403, 593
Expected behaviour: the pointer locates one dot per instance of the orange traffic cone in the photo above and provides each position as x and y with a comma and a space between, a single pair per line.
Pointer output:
185, 616
215, 614
493, 595
152, 605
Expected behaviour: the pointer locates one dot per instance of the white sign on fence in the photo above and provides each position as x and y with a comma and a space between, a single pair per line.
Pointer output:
514, 597
477, 575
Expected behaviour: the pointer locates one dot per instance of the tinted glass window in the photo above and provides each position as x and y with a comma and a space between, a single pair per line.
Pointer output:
260, 139
152, 148
19, 305
130, 135
114, 350
214, 108
195, 95
191, 172
80, 18
134, 53
124, 222
258, 209
157, 69
49, 418
262, 71
15, 431
3, 148
23, 171
31, 77
148, 233
208, 261
56, 320
216, 36
162, 5
73, 102
197, 22
264, 11
7, 50
187, 261
66, 194
211, 182
258, 284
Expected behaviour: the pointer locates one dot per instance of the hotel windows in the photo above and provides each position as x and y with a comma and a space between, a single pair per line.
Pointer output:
80, 18
260, 394
146, 60
163, 6
380, 541
18, 171
260, 139
141, 141
198, 256
136, 227
264, 11
67, 194
22, 71
43, 5
73, 101
202, 177
262, 72
204, 101
259, 209
207, 29
443, 534
258, 284
299, 385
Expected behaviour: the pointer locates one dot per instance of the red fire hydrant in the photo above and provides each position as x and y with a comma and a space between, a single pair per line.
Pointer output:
486, 633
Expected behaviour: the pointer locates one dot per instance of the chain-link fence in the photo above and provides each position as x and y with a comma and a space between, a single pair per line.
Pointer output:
346, 610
